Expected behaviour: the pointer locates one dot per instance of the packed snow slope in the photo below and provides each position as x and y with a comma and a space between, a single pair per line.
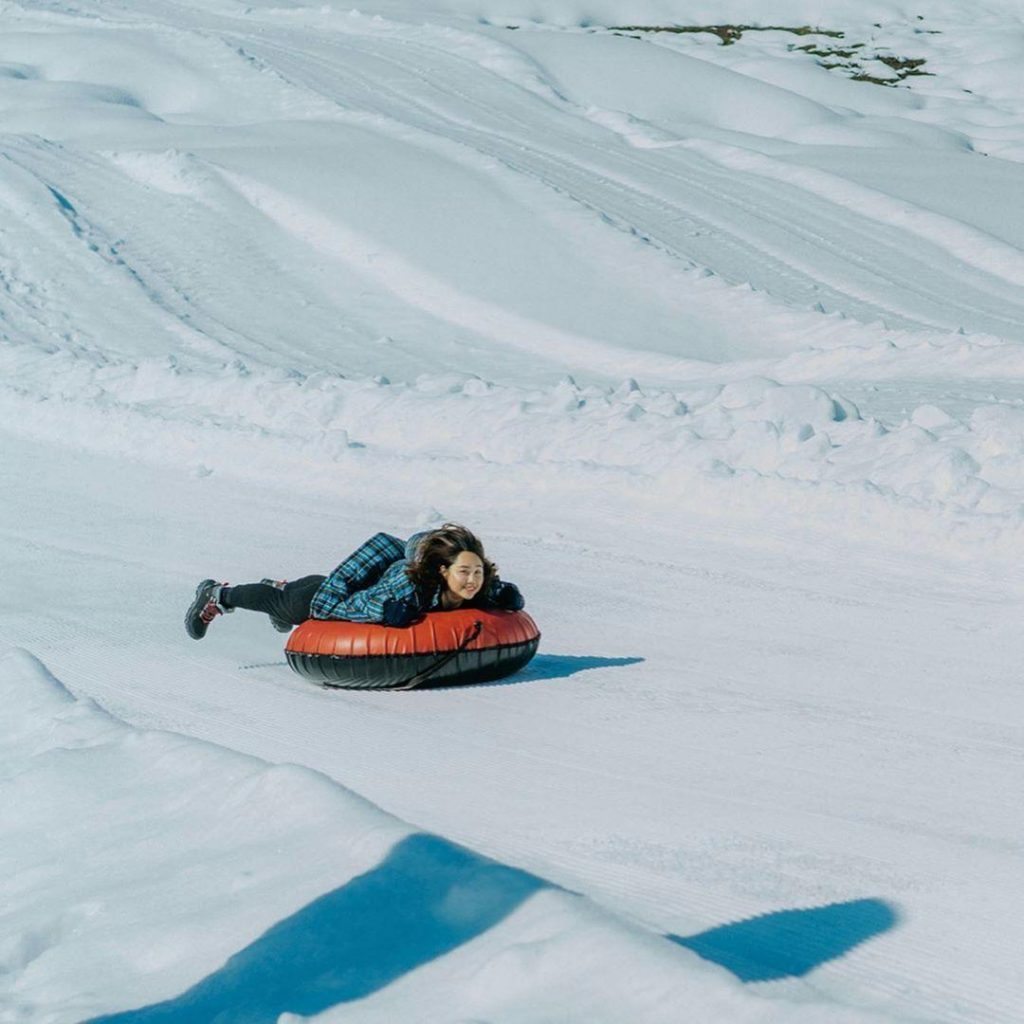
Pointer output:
199, 848
709, 317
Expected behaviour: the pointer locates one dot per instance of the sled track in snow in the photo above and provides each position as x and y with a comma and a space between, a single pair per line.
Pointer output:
567, 737
853, 264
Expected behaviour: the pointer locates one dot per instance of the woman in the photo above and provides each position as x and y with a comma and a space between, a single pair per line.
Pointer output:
384, 580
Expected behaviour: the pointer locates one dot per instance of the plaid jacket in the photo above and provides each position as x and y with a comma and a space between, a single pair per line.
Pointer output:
372, 574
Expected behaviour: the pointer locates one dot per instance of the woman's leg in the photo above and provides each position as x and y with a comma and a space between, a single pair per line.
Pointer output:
289, 603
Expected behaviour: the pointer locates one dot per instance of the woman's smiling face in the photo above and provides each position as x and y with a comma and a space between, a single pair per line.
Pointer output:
464, 577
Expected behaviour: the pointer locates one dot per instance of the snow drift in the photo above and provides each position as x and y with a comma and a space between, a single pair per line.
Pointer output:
317, 899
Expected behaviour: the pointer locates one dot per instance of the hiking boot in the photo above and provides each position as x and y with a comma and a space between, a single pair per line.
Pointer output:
205, 607
279, 624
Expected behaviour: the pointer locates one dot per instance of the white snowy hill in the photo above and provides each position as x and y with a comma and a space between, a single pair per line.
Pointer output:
708, 316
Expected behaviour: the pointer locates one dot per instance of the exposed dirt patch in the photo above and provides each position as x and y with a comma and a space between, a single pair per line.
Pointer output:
860, 63
730, 33
857, 61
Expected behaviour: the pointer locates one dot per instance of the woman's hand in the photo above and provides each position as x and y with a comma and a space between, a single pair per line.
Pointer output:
507, 596
400, 613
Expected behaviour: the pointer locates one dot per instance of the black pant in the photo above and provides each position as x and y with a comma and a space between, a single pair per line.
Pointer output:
289, 603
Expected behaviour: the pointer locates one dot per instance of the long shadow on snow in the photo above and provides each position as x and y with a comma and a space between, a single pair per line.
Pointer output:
791, 943
560, 666
427, 897
563, 666
543, 666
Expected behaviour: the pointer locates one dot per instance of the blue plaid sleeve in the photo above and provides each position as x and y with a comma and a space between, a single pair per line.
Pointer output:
368, 605
364, 568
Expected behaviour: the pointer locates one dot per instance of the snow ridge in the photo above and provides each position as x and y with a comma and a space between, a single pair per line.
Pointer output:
326, 905
753, 425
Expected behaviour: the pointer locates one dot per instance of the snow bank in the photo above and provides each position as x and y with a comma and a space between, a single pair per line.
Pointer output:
205, 884
969, 245
342, 236
673, 90
134, 862
177, 410
703, 12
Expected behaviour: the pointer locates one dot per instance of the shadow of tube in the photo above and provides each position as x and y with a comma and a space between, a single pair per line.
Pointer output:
559, 666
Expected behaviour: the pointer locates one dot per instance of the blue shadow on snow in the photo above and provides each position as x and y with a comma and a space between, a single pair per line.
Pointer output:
559, 666
791, 943
427, 897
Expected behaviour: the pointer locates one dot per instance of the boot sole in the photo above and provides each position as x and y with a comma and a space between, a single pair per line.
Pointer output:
194, 625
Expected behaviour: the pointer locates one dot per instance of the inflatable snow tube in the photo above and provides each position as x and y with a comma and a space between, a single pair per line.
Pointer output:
470, 645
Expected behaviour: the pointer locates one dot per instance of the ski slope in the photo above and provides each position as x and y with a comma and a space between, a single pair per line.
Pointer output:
719, 349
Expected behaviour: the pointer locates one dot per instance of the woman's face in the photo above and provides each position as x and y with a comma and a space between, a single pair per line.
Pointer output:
465, 576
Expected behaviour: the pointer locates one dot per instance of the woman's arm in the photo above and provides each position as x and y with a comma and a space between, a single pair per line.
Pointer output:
392, 600
369, 561
363, 568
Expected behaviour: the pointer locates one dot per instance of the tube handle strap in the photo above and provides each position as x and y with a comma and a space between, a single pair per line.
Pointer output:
420, 677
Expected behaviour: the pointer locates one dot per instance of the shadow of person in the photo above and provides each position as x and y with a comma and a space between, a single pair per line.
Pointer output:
791, 943
427, 897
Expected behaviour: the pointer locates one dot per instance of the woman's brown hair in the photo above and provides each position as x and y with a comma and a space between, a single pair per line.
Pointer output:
440, 548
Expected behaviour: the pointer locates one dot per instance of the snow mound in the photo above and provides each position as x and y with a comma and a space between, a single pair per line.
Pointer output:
201, 884
183, 411
671, 90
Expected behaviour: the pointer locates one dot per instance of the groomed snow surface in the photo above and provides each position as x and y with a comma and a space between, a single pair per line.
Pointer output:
721, 350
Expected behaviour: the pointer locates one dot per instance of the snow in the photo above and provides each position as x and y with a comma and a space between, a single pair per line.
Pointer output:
719, 349
197, 856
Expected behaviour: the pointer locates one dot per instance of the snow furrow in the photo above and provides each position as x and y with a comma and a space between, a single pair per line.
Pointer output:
861, 253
